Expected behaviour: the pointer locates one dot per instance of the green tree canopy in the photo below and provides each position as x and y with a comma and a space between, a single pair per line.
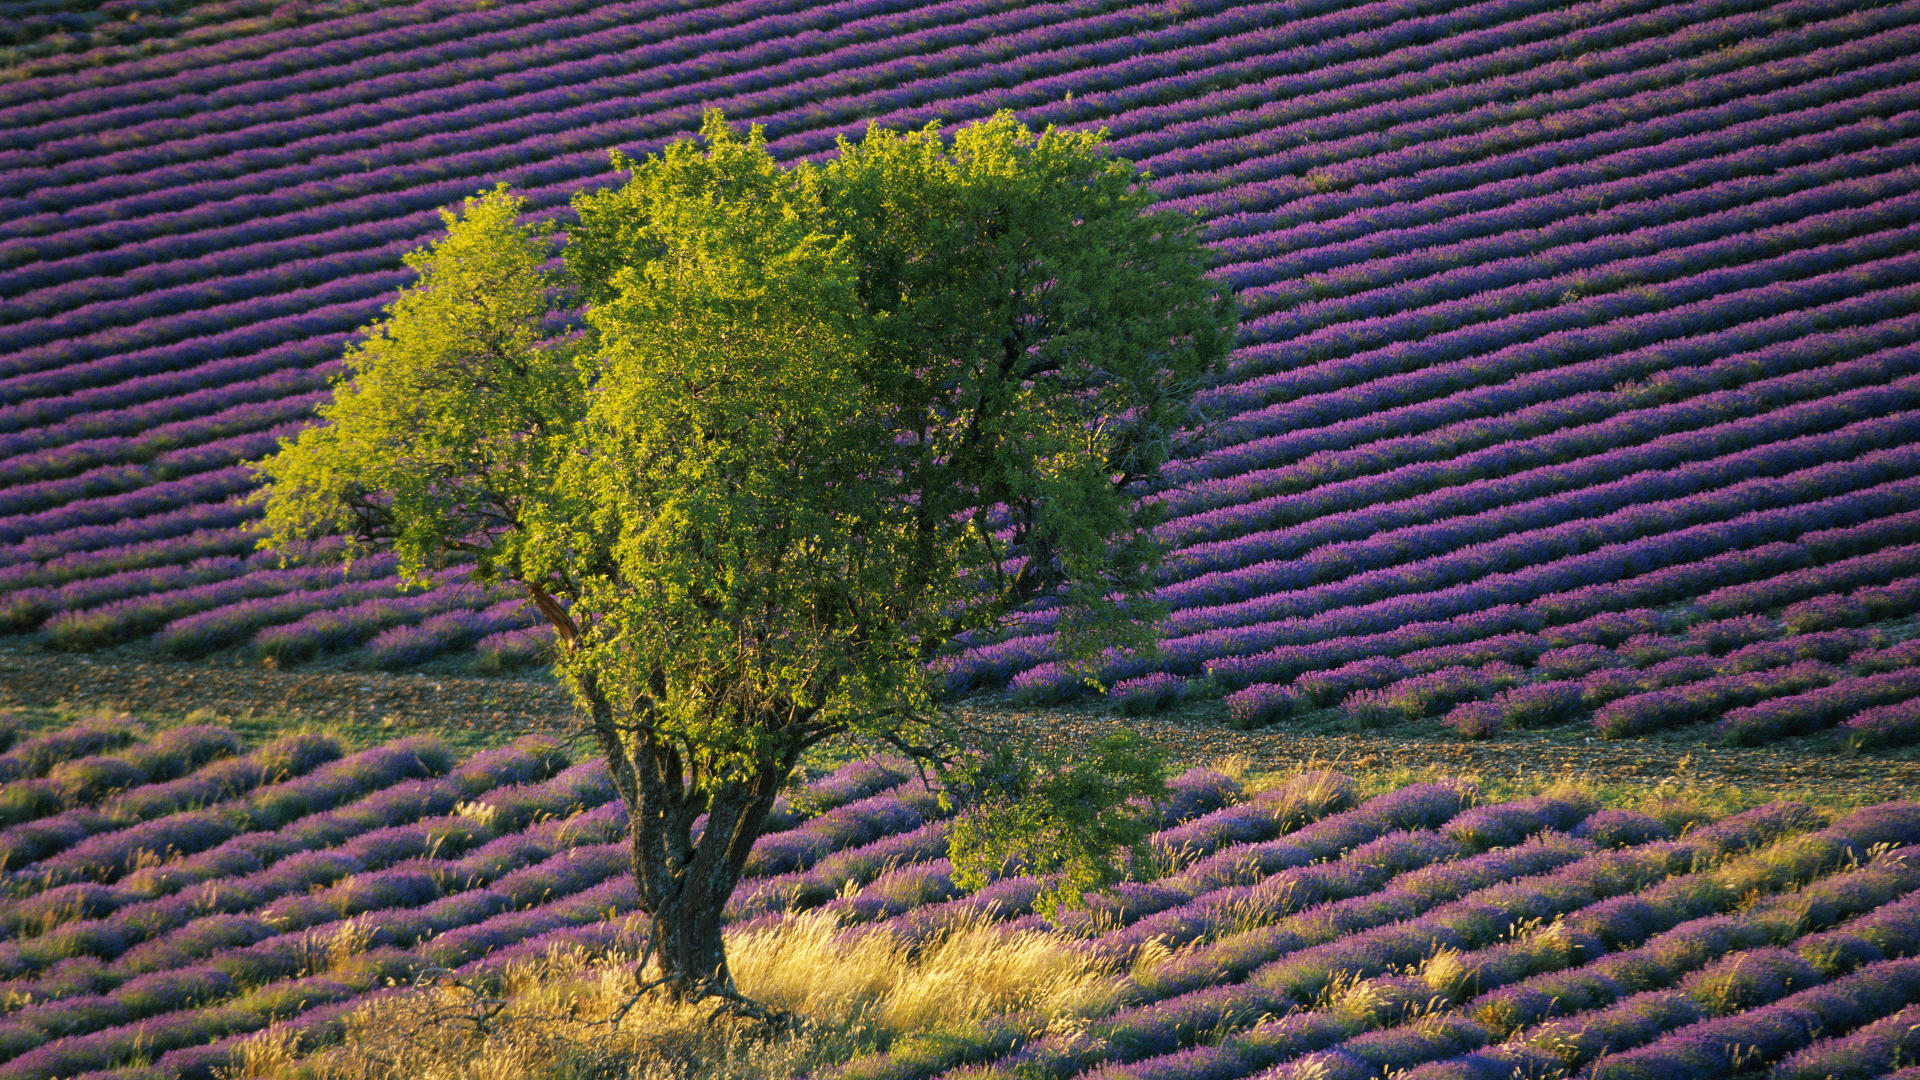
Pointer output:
822, 420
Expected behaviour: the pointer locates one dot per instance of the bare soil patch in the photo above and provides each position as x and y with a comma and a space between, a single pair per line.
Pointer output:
476, 709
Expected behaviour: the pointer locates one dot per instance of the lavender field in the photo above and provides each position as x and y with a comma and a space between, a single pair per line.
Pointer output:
171, 896
1577, 378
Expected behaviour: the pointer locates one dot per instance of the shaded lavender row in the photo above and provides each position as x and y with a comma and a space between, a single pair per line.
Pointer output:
263, 56
1329, 671
1859, 1055
1110, 125
1465, 278
1865, 569
1244, 655
1588, 106
219, 781
566, 157
550, 52
1724, 121
1456, 76
551, 118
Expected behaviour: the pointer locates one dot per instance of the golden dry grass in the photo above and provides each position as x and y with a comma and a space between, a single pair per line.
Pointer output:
554, 1019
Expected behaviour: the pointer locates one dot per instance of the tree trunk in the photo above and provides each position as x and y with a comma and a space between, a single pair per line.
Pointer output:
686, 875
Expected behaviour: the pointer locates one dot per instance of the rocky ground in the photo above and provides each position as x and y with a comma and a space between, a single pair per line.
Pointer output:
474, 709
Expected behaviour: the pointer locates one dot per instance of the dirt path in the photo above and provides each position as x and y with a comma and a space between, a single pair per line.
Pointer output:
485, 707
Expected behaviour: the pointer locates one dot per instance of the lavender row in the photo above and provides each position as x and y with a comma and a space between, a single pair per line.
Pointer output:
1685, 686
1464, 360
1594, 131
1445, 902
577, 151
261, 56
219, 781
1343, 856
751, 110
1374, 144
34, 757
215, 628
1457, 350
442, 120
1019, 649
1479, 917
1321, 247
385, 128
1783, 407
1818, 709
1785, 589
523, 818
1752, 977
407, 645
564, 52
107, 856
1503, 512
1322, 675
1471, 579
1243, 655
96, 418
1657, 255
1622, 920
150, 499
150, 556
224, 437
121, 620
1570, 417
404, 907
1173, 90
77, 781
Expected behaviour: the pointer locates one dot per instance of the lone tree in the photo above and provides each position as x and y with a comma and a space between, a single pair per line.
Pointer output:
821, 420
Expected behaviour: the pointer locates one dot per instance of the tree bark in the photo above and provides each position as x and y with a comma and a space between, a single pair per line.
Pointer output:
686, 874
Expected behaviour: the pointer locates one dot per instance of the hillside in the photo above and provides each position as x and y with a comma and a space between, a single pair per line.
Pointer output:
1577, 379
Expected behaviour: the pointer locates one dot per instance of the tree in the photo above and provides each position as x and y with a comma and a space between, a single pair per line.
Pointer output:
821, 421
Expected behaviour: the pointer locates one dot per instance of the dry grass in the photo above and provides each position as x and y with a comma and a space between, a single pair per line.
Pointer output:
851, 994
